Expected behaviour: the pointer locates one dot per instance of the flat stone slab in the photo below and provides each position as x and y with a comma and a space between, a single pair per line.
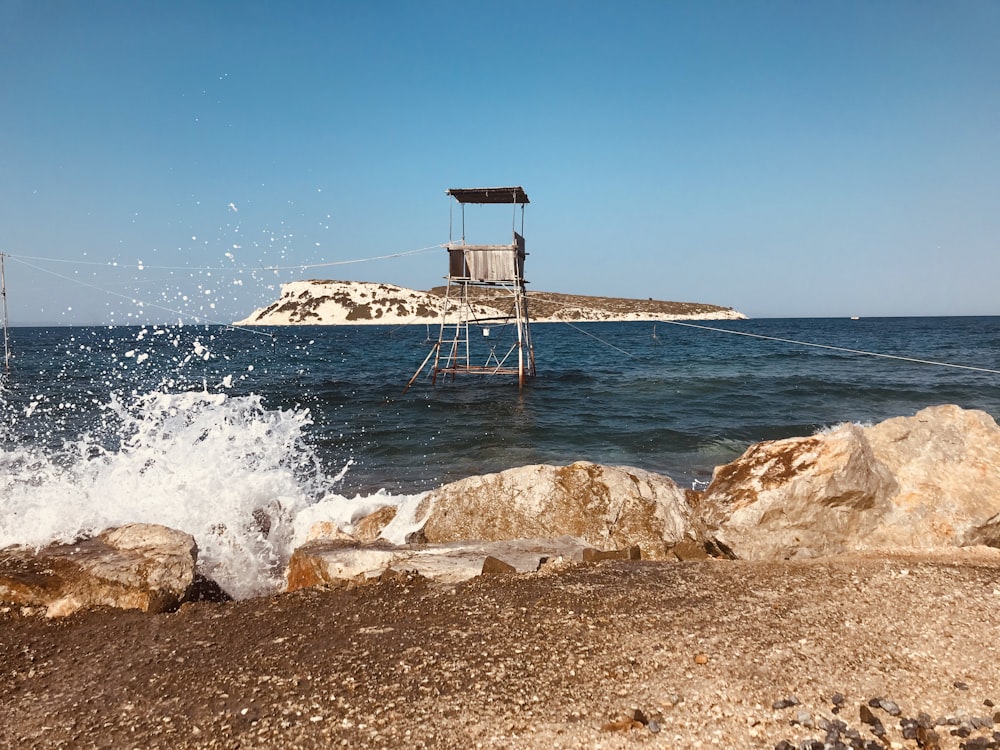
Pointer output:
324, 562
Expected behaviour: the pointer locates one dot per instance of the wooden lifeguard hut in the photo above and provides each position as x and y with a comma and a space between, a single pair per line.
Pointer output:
485, 328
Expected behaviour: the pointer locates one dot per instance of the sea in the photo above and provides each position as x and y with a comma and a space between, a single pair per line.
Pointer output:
247, 437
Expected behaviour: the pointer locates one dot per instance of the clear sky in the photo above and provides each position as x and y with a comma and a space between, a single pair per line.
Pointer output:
783, 158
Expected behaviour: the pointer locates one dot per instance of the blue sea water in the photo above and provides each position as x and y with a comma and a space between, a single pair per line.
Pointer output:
199, 427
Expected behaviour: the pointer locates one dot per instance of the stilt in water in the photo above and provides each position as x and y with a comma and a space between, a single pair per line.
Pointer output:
6, 332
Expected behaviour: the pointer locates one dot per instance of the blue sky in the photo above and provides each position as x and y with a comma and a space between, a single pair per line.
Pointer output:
782, 158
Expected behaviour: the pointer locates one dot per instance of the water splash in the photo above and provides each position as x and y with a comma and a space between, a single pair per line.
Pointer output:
225, 469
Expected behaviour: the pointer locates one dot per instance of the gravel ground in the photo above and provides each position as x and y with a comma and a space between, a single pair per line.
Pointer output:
847, 652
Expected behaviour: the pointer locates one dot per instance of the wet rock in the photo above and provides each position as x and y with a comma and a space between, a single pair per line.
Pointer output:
327, 531
369, 528
137, 566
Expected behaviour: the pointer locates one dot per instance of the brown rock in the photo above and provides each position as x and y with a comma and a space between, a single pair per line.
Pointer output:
605, 506
800, 497
493, 566
369, 528
137, 566
925, 481
687, 549
327, 531
623, 725
591, 555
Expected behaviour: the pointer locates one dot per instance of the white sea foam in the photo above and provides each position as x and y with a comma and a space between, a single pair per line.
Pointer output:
239, 477
346, 514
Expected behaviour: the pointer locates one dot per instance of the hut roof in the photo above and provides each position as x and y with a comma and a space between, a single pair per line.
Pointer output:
489, 195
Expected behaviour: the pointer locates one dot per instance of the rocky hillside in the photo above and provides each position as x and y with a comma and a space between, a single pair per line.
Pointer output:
316, 302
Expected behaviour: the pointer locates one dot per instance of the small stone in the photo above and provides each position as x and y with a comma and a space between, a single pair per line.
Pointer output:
877, 728
701, 658
804, 718
638, 715
785, 745
978, 743
961, 685
988, 703
625, 725
653, 727
785, 703
889, 707
591, 555
927, 737
837, 699
493, 566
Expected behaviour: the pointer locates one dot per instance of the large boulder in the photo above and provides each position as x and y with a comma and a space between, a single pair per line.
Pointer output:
607, 507
918, 482
946, 461
136, 566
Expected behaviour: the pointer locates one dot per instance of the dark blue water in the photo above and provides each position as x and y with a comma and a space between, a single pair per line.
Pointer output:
679, 403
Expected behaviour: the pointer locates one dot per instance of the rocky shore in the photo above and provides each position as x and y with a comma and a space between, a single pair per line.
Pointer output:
616, 654
840, 590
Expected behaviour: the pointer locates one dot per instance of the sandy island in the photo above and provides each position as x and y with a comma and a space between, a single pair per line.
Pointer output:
317, 302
